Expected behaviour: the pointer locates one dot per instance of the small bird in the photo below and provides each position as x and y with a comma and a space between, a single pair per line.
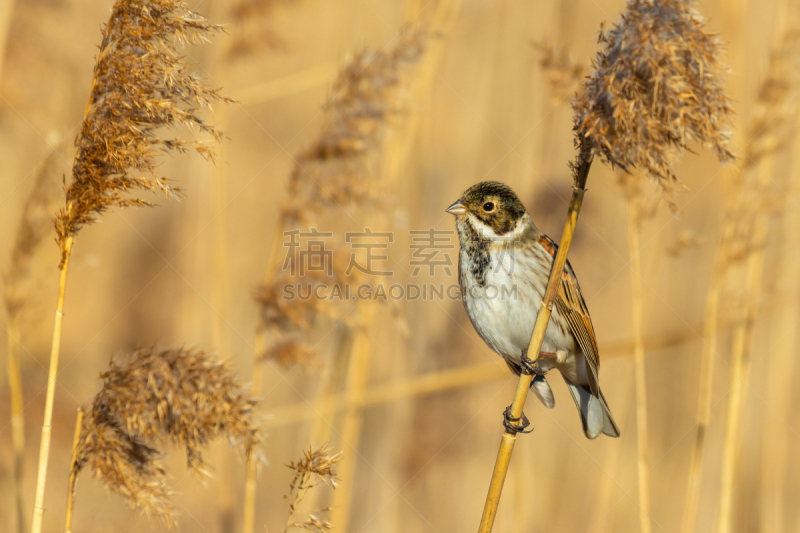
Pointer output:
503, 267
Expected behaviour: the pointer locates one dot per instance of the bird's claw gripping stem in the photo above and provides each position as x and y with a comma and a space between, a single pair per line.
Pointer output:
529, 366
515, 425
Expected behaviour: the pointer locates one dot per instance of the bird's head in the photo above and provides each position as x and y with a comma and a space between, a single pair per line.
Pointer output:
491, 208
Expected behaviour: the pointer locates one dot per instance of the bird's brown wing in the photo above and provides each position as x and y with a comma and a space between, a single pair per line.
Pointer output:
571, 305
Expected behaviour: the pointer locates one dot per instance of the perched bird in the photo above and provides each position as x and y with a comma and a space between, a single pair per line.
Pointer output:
503, 268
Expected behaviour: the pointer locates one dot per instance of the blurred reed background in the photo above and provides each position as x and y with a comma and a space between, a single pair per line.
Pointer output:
408, 392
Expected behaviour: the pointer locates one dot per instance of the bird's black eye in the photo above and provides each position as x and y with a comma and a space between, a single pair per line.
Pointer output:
488, 207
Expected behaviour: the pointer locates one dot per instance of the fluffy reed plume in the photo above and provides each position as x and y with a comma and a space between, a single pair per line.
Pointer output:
316, 467
340, 170
744, 233
183, 396
20, 282
124, 464
562, 75
140, 88
656, 85
141, 85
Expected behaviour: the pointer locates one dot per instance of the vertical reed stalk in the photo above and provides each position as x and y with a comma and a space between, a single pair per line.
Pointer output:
332, 377
321, 428
634, 222
47, 425
17, 418
775, 442
21, 282
542, 319
251, 476
742, 348
603, 501
251, 479
357, 377
708, 357
73, 471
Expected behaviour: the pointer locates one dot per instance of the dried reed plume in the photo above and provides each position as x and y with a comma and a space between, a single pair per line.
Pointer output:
183, 396
140, 87
340, 170
316, 467
20, 282
656, 85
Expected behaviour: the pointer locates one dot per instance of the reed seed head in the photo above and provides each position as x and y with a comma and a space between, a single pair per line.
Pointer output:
183, 396
316, 467
341, 169
141, 88
370, 95
657, 84
125, 464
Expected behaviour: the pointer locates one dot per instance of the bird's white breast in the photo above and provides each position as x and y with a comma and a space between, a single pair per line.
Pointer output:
503, 309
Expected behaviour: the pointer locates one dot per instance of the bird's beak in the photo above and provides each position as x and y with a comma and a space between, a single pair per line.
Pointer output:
457, 208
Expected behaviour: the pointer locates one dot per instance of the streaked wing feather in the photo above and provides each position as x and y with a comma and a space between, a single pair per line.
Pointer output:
572, 306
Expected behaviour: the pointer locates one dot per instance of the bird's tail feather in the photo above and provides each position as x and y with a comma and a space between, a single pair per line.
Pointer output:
595, 414
542, 390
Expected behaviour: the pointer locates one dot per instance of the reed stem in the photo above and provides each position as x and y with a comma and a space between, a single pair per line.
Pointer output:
357, 376
741, 351
73, 471
708, 357
17, 418
251, 476
638, 363
542, 319
47, 425
780, 380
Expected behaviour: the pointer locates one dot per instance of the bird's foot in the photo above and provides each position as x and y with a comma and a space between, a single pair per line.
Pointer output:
515, 425
529, 366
